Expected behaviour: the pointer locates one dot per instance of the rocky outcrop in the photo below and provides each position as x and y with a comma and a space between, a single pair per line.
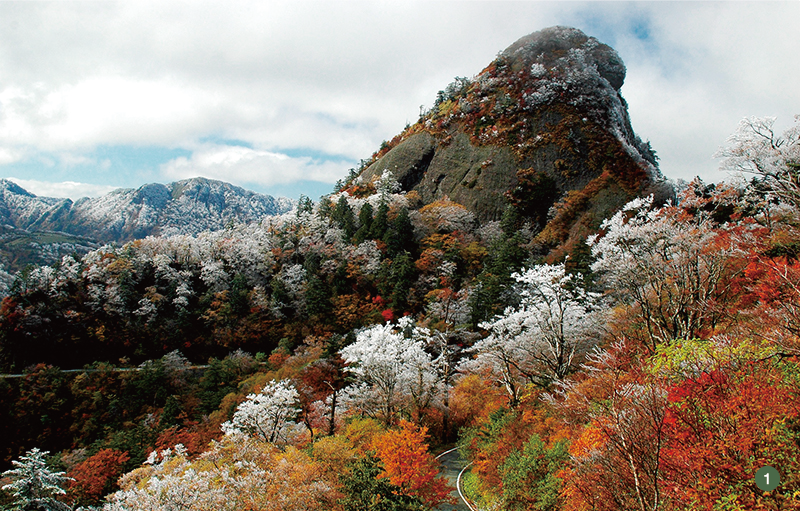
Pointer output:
544, 127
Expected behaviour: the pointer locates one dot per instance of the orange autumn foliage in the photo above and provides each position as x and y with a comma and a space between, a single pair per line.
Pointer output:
474, 398
352, 311
408, 464
362, 432
590, 440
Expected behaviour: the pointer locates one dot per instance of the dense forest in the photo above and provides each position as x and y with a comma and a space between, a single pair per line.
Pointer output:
313, 361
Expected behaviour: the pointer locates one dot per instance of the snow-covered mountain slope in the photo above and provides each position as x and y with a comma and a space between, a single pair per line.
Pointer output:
183, 207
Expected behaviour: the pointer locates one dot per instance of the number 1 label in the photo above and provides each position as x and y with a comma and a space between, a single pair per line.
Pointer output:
767, 478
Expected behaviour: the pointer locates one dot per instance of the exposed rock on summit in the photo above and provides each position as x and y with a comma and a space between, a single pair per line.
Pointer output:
544, 127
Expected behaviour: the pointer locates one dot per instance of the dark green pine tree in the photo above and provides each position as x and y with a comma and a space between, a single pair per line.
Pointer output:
343, 216
493, 290
580, 262
312, 263
365, 491
340, 284
511, 220
318, 293
325, 207
380, 224
281, 298
318, 299
304, 205
365, 223
400, 235
403, 274
238, 296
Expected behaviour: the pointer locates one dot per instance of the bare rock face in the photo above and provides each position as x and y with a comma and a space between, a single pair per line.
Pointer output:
543, 127
475, 176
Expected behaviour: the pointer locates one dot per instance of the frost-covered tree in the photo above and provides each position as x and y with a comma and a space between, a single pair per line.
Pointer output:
214, 275
34, 486
450, 308
386, 184
366, 257
237, 473
268, 415
292, 280
677, 272
755, 148
393, 371
443, 216
6, 280
542, 339
170, 369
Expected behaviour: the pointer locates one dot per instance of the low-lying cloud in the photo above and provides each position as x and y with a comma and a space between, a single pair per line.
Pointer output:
243, 165
66, 189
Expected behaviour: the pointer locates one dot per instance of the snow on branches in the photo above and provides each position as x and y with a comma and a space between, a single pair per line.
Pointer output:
33, 484
393, 371
236, 473
268, 415
677, 271
556, 322
755, 148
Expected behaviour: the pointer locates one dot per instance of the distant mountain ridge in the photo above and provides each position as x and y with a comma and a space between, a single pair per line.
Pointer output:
183, 207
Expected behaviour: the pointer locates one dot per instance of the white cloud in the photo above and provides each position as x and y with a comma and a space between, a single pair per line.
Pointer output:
9, 155
339, 77
705, 67
69, 189
243, 165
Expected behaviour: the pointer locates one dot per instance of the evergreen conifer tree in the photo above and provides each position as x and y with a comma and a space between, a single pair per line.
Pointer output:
34, 486
380, 223
400, 235
317, 297
365, 221
344, 218
364, 490
402, 278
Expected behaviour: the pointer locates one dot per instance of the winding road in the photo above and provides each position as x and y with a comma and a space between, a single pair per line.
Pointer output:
453, 465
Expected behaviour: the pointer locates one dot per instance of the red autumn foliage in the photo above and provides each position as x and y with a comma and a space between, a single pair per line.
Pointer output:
97, 475
721, 427
193, 436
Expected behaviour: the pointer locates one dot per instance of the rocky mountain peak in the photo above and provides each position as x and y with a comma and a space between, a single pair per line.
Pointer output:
557, 49
154, 194
12, 187
542, 128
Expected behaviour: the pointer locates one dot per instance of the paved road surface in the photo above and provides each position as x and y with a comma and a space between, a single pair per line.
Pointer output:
113, 370
452, 463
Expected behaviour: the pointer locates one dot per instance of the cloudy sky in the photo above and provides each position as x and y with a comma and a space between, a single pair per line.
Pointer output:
284, 97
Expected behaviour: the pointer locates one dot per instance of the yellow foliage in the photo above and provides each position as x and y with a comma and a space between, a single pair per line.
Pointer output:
334, 453
362, 431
